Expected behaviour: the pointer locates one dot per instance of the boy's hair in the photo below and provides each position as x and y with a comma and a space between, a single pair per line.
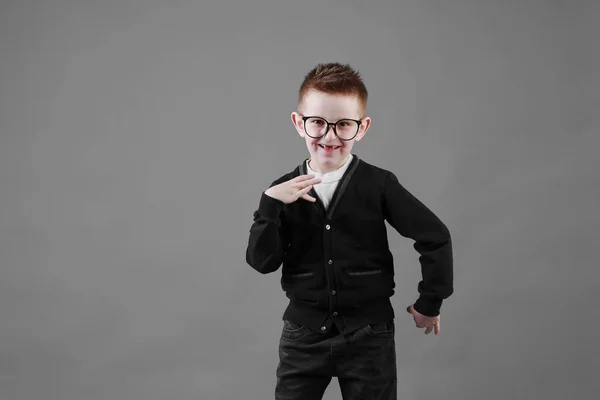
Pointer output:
335, 78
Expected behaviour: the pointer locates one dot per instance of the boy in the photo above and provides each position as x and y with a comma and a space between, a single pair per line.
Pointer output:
325, 223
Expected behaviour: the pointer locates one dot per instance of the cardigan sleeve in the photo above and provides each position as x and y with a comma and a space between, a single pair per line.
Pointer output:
267, 243
412, 219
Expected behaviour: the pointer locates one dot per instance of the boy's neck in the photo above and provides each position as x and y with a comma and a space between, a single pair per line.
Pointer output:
325, 171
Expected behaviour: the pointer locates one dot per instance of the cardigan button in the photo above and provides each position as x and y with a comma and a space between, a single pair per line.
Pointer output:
327, 227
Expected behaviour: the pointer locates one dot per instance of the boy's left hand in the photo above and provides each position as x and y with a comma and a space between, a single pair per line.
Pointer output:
423, 321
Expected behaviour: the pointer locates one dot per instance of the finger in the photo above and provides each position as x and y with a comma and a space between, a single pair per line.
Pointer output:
309, 198
437, 327
417, 322
302, 178
428, 329
303, 194
303, 191
311, 182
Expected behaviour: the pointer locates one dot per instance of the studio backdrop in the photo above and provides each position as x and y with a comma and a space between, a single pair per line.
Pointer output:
136, 138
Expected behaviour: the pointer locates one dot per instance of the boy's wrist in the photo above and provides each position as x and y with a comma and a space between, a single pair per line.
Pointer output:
428, 306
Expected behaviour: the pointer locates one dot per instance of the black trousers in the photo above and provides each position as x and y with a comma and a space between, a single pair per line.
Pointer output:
363, 361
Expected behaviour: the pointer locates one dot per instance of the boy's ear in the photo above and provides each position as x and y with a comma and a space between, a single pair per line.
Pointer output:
364, 127
298, 123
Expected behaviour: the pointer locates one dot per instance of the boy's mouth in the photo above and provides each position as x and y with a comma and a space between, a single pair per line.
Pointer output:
328, 148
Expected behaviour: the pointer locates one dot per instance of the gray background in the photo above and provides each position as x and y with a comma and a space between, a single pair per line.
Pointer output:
136, 138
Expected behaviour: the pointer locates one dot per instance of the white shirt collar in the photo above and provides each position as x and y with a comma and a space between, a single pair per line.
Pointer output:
332, 176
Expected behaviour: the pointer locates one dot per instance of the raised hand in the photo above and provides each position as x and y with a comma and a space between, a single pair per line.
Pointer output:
294, 189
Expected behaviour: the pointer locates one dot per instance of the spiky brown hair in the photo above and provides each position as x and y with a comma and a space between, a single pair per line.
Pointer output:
335, 78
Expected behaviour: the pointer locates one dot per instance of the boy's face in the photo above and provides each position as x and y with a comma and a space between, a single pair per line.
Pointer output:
331, 108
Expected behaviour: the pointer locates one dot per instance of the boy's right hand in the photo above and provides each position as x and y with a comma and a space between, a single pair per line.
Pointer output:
290, 191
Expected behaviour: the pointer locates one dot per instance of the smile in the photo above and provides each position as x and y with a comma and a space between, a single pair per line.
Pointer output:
329, 147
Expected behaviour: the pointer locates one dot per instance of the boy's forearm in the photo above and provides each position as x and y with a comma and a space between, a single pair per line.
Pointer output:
412, 219
266, 246
437, 272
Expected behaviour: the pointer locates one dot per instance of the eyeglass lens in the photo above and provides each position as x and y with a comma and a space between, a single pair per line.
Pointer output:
316, 127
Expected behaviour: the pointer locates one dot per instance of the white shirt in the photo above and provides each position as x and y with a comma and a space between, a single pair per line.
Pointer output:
329, 181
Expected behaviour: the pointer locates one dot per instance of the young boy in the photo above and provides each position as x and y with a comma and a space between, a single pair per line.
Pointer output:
325, 223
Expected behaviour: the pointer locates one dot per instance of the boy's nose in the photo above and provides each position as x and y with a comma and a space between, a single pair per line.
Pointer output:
331, 133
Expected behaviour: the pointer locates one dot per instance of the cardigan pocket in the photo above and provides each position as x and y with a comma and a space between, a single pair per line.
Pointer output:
299, 281
365, 279
300, 275
365, 273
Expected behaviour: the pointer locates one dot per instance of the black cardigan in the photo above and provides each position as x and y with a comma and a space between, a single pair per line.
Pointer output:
337, 266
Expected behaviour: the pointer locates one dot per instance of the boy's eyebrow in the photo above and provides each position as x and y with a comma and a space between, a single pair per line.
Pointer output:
329, 120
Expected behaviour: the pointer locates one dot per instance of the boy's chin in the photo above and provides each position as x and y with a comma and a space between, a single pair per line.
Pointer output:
327, 158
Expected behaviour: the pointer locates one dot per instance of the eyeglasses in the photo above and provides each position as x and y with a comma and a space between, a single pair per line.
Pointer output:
344, 129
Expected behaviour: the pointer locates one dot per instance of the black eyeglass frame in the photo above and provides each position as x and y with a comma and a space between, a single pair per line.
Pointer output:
333, 124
